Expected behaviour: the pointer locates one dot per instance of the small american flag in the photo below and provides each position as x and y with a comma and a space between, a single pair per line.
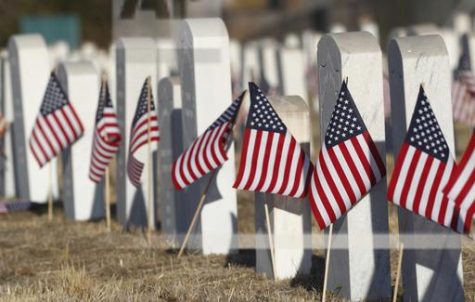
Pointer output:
11, 206
57, 125
461, 189
144, 129
463, 98
208, 151
423, 167
271, 159
348, 165
106, 135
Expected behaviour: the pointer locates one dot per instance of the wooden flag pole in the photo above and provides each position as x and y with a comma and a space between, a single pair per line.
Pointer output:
50, 193
149, 165
398, 272
327, 263
197, 212
107, 200
269, 235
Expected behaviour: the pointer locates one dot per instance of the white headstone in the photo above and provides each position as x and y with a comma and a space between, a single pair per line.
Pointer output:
203, 55
172, 202
462, 22
235, 55
436, 274
58, 52
82, 198
369, 25
290, 218
423, 29
292, 71
251, 69
30, 71
8, 150
453, 43
166, 58
136, 60
337, 28
359, 271
268, 62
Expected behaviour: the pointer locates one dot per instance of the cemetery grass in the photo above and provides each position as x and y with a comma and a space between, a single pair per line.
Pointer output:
77, 261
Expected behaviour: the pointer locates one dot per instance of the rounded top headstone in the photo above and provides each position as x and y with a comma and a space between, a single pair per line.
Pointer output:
351, 42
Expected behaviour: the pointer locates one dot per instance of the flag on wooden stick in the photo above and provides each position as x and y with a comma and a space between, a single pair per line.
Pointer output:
461, 189
272, 161
423, 167
348, 165
57, 125
107, 135
144, 130
208, 151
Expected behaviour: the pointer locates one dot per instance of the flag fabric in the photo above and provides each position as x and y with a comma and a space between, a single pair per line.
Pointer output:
463, 98
140, 134
10, 206
348, 165
272, 161
461, 189
423, 167
57, 125
106, 135
208, 151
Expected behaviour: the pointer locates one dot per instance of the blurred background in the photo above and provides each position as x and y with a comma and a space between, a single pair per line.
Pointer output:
92, 20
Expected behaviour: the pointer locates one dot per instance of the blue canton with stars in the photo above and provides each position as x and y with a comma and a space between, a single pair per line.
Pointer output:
424, 132
346, 121
104, 101
54, 98
142, 107
261, 114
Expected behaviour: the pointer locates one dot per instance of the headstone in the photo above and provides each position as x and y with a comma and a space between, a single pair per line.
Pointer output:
369, 25
453, 43
462, 22
427, 274
337, 28
173, 203
205, 75
423, 29
235, 51
58, 52
82, 198
251, 69
7, 111
290, 218
30, 71
358, 269
136, 60
269, 66
292, 71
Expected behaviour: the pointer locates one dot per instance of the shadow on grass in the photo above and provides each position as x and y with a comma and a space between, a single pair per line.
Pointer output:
313, 281
244, 258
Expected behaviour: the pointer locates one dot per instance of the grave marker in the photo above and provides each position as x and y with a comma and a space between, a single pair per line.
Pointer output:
30, 70
173, 203
136, 59
357, 268
205, 75
83, 199
290, 218
436, 274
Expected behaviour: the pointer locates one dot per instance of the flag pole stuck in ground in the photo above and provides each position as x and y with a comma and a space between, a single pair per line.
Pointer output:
271, 240
327, 263
50, 192
149, 165
398, 272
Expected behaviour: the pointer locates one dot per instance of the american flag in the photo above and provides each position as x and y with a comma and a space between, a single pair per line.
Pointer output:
463, 98
106, 135
423, 167
144, 129
10, 206
208, 151
348, 165
271, 159
57, 125
461, 189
